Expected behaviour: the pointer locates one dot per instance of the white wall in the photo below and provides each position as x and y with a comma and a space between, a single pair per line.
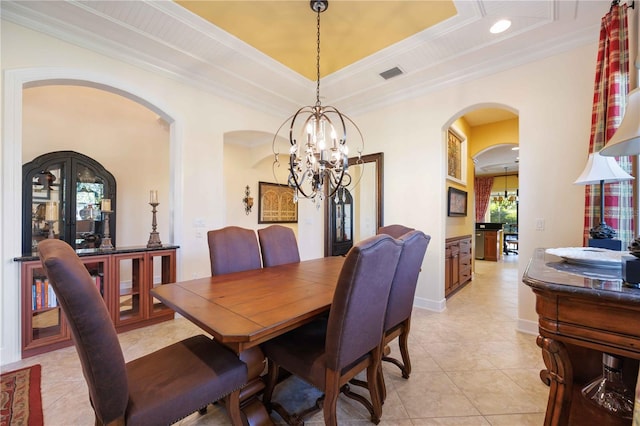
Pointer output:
259, 167
552, 96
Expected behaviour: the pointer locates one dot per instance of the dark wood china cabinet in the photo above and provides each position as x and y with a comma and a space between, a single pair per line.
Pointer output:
64, 190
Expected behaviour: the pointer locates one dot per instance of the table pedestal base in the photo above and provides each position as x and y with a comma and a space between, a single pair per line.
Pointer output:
250, 404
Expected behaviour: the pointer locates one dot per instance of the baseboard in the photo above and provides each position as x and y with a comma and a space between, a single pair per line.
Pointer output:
430, 305
528, 327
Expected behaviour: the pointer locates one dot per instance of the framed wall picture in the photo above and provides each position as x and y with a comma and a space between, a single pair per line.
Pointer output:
457, 202
456, 156
275, 203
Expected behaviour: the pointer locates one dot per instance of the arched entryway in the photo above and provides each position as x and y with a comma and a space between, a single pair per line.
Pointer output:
15, 81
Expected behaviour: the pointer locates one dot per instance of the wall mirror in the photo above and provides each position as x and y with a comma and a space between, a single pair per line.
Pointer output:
358, 215
61, 198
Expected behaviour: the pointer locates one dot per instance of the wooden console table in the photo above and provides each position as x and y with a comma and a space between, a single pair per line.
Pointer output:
584, 311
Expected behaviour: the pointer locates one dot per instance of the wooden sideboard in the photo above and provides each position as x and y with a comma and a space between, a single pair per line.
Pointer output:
124, 277
584, 311
457, 259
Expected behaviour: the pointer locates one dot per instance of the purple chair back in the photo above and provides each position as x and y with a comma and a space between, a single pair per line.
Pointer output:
396, 231
93, 332
403, 288
357, 313
278, 245
233, 249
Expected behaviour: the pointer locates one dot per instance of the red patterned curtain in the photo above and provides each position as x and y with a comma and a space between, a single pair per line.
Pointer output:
609, 99
482, 188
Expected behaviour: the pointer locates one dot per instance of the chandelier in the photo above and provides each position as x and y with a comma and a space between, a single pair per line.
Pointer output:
507, 200
318, 155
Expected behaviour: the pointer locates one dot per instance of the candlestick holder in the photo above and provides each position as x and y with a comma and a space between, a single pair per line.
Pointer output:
51, 233
106, 240
154, 237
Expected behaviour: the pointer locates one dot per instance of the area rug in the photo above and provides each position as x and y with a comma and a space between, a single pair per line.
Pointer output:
20, 399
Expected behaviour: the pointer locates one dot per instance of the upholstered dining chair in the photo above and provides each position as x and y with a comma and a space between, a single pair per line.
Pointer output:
159, 388
233, 249
396, 231
327, 353
278, 245
397, 321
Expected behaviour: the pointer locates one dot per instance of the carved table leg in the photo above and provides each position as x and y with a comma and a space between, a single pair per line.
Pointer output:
251, 406
559, 377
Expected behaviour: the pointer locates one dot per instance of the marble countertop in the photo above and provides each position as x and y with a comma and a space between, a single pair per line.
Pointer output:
549, 272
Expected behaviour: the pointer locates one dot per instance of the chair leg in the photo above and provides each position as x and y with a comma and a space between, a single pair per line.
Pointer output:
232, 402
403, 341
382, 387
331, 392
375, 380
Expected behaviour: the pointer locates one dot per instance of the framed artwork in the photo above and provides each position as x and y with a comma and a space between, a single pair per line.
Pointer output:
275, 203
456, 157
457, 202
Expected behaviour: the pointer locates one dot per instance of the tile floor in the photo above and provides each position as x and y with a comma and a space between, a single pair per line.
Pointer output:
470, 366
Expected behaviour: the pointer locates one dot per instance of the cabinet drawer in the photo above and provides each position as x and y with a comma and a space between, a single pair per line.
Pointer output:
452, 250
465, 246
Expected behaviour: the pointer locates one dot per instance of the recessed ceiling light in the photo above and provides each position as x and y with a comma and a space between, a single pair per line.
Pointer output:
500, 26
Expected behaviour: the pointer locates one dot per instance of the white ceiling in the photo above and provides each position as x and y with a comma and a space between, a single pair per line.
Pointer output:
166, 38
494, 160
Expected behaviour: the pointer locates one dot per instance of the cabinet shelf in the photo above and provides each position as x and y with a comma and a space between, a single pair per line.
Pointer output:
124, 278
47, 309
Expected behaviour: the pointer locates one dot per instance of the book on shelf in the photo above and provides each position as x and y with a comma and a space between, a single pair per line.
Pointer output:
98, 280
53, 299
38, 295
43, 295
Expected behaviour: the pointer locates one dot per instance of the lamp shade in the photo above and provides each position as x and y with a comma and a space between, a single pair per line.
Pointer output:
626, 140
602, 169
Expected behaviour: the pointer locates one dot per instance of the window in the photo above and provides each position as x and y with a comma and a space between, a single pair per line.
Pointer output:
501, 210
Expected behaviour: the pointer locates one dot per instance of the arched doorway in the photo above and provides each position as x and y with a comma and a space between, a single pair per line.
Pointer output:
479, 129
14, 83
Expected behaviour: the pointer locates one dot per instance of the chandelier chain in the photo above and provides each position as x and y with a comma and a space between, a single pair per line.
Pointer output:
318, 58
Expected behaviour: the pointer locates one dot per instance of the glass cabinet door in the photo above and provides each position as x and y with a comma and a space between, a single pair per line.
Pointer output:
62, 194
128, 292
162, 271
43, 324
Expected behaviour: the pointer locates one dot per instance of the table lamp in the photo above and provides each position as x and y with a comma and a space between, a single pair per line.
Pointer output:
602, 170
626, 139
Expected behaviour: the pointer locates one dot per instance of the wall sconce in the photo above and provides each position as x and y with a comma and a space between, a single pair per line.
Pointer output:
247, 200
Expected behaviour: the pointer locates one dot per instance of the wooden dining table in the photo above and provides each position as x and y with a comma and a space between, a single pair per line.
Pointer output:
244, 309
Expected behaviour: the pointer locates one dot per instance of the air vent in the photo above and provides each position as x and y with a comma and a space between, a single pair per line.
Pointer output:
390, 73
